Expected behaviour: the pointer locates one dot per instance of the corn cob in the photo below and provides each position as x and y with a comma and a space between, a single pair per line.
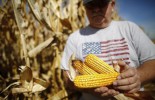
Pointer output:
82, 68
92, 81
98, 65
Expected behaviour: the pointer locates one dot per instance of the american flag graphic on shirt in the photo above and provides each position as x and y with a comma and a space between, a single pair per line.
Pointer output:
108, 50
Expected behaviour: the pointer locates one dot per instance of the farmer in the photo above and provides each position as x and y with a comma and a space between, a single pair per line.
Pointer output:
114, 40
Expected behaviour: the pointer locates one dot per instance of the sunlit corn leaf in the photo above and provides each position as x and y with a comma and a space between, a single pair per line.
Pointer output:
40, 47
37, 88
42, 13
65, 9
41, 82
54, 7
18, 16
57, 60
13, 84
72, 72
47, 14
35, 9
19, 90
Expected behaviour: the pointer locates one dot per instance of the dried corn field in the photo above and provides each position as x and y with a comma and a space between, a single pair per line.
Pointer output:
32, 38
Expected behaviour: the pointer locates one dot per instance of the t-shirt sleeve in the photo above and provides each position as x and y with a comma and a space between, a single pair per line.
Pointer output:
145, 48
68, 51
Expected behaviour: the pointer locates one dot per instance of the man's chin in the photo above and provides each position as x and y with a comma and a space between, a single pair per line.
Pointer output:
100, 24
98, 18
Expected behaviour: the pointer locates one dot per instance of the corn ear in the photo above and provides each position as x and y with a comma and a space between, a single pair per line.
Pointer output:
92, 81
82, 68
98, 65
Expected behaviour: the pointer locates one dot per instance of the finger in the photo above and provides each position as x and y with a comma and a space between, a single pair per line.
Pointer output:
126, 81
116, 93
134, 90
123, 65
112, 92
128, 87
101, 89
116, 66
104, 94
128, 73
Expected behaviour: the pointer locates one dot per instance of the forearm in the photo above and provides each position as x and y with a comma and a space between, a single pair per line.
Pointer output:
147, 71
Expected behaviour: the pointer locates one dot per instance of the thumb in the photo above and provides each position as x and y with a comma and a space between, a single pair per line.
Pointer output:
123, 65
116, 66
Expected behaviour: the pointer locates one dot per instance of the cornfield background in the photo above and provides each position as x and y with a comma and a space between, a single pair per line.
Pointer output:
33, 34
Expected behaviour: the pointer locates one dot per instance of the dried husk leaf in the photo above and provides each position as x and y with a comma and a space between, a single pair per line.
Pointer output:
37, 88
54, 7
18, 16
60, 95
40, 47
41, 82
26, 77
46, 15
55, 65
65, 9
20, 23
35, 9
13, 84
72, 72
19, 90
42, 13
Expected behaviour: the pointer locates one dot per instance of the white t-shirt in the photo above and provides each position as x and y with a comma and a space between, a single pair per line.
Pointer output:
120, 40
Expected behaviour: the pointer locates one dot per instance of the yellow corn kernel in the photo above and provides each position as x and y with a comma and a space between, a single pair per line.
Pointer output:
82, 68
98, 65
92, 81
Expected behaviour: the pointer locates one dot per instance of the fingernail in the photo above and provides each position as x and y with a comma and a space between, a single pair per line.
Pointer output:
115, 62
117, 92
118, 77
114, 83
96, 90
106, 89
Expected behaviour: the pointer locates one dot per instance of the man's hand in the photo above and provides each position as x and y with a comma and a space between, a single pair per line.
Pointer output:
106, 92
128, 80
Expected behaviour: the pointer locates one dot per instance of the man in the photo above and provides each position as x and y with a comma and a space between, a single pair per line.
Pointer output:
114, 40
